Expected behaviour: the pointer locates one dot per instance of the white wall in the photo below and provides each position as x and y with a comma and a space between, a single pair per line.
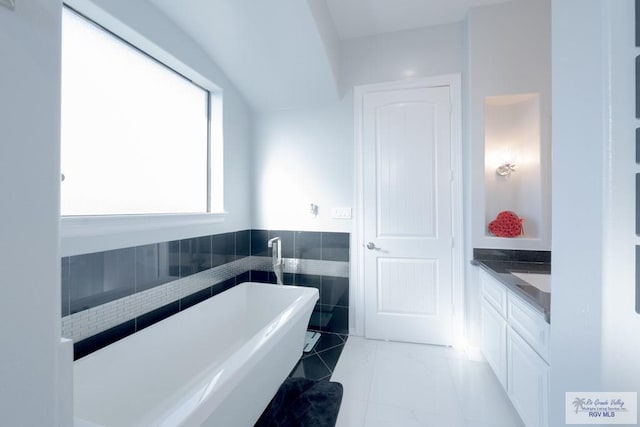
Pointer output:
144, 25
29, 188
621, 326
422, 52
579, 113
509, 53
327, 31
303, 157
594, 329
306, 155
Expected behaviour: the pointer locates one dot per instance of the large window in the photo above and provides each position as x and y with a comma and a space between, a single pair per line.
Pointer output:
135, 133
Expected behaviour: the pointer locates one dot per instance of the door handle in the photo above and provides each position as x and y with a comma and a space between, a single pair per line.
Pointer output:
371, 246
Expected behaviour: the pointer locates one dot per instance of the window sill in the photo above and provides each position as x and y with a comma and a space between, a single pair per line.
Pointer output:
86, 234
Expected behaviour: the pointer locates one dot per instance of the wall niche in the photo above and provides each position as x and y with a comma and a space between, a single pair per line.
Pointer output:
516, 170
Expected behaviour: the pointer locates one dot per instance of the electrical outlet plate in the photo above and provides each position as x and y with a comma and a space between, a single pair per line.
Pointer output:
11, 4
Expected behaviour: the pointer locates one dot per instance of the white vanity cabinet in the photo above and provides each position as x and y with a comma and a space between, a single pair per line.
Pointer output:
493, 327
515, 342
527, 381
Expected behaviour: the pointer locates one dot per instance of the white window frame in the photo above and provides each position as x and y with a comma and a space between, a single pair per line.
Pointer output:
94, 233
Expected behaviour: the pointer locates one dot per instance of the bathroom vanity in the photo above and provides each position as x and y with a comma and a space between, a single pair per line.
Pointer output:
515, 326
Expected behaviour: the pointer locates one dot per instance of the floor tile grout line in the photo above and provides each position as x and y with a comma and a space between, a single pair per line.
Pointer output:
344, 341
334, 366
455, 386
328, 348
370, 382
367, 398
325, 364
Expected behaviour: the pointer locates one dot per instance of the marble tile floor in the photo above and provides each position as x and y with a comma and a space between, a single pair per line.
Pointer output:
411, 385
320, 362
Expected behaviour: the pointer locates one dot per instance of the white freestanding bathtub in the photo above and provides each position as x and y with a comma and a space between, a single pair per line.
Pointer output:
218, 363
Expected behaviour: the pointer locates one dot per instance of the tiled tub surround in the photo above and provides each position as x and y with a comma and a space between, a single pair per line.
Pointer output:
109, 295
313, 259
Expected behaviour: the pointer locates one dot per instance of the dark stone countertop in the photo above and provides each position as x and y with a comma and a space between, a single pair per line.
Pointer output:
502, 269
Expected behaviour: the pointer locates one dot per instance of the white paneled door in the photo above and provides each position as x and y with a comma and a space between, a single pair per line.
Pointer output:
407, 214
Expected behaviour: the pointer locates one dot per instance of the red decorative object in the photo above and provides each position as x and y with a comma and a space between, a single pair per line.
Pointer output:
507, 224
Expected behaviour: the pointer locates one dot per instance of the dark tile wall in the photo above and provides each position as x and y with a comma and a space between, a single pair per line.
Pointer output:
308, 245
103, 339
93, 279
224, 249
194, 255
287, 238
259, 239
327, 246
65, 297
98, 278
335, 246
243, 244
331, 313
152, 266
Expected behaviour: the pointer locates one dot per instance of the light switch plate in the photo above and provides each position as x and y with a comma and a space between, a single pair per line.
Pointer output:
11, 4
341, 213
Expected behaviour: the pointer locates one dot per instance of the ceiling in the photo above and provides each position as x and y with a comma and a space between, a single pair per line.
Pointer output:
358, 18
271, 50
282, 54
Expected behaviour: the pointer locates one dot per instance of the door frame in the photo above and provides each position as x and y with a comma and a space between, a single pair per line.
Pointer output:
453, 81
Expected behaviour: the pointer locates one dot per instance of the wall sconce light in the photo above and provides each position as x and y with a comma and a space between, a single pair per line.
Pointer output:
506, 169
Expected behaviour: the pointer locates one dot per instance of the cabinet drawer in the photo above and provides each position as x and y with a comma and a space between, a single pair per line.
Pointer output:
494, 292
530, 324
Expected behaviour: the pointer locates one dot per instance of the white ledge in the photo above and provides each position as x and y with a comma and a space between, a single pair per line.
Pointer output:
86, 234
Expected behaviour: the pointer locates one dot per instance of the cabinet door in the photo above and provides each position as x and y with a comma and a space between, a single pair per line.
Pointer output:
494, 340
528, 381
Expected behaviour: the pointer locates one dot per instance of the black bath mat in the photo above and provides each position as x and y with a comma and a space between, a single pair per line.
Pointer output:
303, 403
